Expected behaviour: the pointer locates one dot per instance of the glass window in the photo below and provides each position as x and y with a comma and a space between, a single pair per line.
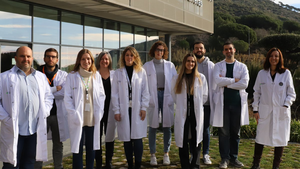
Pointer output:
139, 38
45, 25
152, 37
111, 34
93, 32
126, 35
38, 54
115, 56
68, 57
72, 30
143, 56
15, 22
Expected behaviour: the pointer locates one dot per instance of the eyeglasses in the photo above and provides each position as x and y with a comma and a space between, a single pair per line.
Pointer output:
52, 57
160, 50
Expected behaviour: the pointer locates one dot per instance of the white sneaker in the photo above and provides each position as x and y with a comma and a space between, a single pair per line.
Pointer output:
166, 160
206, 159
153, 160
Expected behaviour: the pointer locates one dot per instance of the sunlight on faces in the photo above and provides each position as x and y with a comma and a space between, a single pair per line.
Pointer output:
51, 59
159, 52
129, 58
199, 49
104, 62
86, 61
274, 58
190, 64
24, 58
229, 51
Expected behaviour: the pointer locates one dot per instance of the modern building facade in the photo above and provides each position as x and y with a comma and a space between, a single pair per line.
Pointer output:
97, 25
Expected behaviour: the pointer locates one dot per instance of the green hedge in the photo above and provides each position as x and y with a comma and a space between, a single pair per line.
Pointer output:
249, 131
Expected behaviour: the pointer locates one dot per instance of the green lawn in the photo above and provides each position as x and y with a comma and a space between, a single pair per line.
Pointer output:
291, 155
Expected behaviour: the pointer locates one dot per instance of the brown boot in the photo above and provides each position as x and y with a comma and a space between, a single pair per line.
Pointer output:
277, 157
258, 149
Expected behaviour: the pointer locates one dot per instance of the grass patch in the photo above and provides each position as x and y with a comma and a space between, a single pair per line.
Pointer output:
291, 155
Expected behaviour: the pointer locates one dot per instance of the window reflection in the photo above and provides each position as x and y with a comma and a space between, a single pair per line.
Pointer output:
15, 22
45, 25
140, 38
38, 53
93, 32
152, 37
68, 57
143, 56
72, 30
115, 55
111, 34
8, 54
126, 35
95, 52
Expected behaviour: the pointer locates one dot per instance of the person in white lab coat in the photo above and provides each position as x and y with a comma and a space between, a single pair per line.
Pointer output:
130, 99
231, 105
189, 92
206, 67
25, 104
84, 101
108, 123
160, 73
57, 122
274, 94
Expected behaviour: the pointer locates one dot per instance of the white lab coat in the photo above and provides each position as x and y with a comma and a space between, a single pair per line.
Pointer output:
168, 106
111, 122
140, 101
74, 104
61, 114
212, 87
273, 127
9, 115
240, 71
200, 97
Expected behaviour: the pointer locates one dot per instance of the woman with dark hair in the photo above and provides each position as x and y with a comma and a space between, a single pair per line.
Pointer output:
108, 123
189, 92
130, 99
273, 96
84, 101
160, 73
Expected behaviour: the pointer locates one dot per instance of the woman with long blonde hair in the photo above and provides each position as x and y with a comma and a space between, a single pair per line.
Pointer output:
130, 99
84, 101
190, 92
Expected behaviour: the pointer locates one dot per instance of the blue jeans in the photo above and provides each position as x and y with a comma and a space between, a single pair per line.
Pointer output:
229, 134
88, 137
206, 131
26, 153
136, 146
166, 130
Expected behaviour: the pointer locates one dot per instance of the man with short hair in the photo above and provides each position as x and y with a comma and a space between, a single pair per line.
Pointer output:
25, 104
206, 67
57, 122
231, 107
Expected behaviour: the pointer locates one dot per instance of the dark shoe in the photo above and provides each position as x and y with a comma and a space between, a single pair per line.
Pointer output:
255, 166
224, 163
275, 167
236, 163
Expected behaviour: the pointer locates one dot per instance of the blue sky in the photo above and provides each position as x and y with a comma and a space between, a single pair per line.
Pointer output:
295, 3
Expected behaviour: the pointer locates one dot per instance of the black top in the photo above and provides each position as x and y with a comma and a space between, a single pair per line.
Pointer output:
231, 96
107, 90
50, 76
273, 77
129, 70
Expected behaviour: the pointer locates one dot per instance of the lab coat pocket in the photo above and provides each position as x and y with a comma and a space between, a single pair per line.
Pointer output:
284, 113
75, 119
263, 111
216, 97
238, 74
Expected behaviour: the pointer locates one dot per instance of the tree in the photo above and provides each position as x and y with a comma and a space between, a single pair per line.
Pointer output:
291, 26
241, 46
289, 44
260, 21
236, 30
